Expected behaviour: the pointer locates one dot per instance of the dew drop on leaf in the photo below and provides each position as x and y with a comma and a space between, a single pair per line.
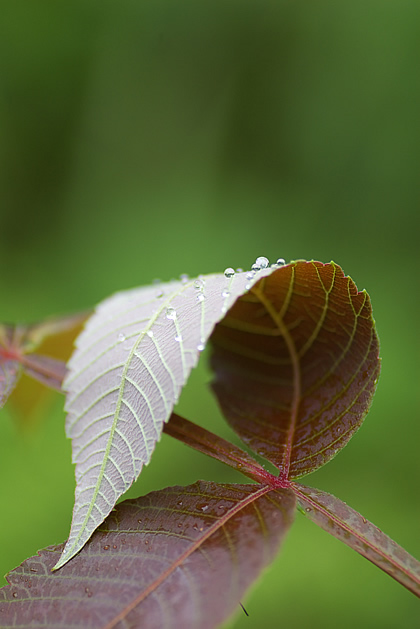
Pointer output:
201, 347
281, 262
199, 284
225, 293
171, 313
262, 262
200, 297
121, 337
229, 272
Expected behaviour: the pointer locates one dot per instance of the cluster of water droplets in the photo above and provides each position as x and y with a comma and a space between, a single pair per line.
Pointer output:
260, 263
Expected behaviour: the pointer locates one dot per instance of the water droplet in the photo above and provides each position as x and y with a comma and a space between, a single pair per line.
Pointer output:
139, 520
184, 277
33, 569
250, 275
308, 509
281, 262
171, 313
179, 503
157, 281
247, 286
225, 293
364, 520
262, 262
195, 527
229, 272
199, 284
200, 297
201, 347
106, 547
239, 270
203, 506
149, 333
146, 542
178, 338
121, 337
255, 267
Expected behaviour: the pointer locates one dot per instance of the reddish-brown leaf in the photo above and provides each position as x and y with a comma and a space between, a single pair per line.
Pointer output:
9, 375
337, 518
53, 342
9, 363
296, 364
179, 557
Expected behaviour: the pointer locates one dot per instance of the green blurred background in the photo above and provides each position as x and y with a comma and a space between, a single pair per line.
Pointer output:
141, 140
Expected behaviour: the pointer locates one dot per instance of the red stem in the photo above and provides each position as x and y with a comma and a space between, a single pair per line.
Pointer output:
218, 448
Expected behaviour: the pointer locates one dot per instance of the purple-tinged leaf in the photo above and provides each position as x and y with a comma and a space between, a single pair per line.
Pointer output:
9, 363
9, 375
344, 523
131, 363
53, 342
48, 371
179, 557
296, 364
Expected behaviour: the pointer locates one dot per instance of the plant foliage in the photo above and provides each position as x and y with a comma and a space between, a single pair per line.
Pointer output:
295, 358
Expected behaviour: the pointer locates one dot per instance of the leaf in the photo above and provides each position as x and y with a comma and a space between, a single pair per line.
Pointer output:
344, 523
9, 375
128, 370
9, 364
17, 346
179, 557
296, 365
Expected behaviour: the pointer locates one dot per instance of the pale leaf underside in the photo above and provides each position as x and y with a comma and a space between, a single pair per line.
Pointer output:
128, 370
180, 557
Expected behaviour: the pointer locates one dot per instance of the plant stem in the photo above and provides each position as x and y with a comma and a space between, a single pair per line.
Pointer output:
218, 448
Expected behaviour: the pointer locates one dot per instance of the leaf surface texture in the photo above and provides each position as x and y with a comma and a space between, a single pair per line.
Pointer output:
131, 363
179, 557
296, 364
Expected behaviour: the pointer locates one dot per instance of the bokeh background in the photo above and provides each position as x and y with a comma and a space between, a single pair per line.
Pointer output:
142, 140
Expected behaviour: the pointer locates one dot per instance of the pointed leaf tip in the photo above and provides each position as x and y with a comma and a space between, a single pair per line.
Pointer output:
296, 364
131, 363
